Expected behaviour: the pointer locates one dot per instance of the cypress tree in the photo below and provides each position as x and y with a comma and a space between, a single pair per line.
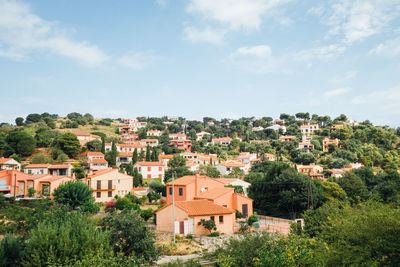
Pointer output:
134, 157
148, 155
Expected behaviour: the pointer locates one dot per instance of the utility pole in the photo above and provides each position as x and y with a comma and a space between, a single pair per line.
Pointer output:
15, 186
173, 204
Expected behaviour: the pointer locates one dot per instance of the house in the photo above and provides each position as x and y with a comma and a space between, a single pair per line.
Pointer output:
177, 136
182, 144
96, 161
164, 159
127, 147
51, 169
226, 167
326, 142
269, 157
106, 184
338, 173
277, 128
155, 133
246, 157
124, 158
351, 123
149, 142
260, 142
315, 171
140, 191
279, 122
236, 182
309, 129
192, 187
201, 135
18, 183
151, 170
128, 126
192, 165
287, 138
337, 126
128, 138
188, 214
84, 137
9, 164
225, 141
306, 146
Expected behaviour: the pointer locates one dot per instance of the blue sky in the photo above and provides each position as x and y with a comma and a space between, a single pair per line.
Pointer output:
195, 58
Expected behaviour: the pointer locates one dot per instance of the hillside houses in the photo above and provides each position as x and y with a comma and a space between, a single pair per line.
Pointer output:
51, 169
309, 129
9, 164
84, 137
151, 170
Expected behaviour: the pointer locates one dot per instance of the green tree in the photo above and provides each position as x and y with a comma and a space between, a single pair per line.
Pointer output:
134, 156
177, 161
209, 170
111, 156
148, 155
208, 224
69, 144
137, 178
94, 145
130, 235
19, 121
332, 191
20, 142
73, 194
354, 187
11, 250
180, 172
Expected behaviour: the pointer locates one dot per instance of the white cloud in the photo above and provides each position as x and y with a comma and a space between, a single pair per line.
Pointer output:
223, 16
137, 60
258, 51
321, 53
161, 3
383, 97
337, 92
22, 32
206, 35
347, 76
389, 48
355, 20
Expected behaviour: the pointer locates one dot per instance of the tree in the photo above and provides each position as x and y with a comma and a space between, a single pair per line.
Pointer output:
209, 170
19, 121
332, 191
148, 155
45, 137
354, 187
94, 145
11, 250
111, 156
32, 118
134, 156
137, 178
180, 172
208, 224
20, 142
79, 172
40, 158
73, 194
177, 161
154, 155
69, 144
305, 158
130, 235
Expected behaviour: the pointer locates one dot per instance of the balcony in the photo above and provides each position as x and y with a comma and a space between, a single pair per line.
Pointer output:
104, 189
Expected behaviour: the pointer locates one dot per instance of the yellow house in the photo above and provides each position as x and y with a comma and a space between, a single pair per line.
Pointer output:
106, 184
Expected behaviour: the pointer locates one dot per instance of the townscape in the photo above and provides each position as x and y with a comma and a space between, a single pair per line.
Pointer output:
297, 188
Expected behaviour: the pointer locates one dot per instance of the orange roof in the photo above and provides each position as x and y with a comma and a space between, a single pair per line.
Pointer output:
59, 166
94, 153
125, 154
99, 173
149, 163
233, 163
139, 189
215, 193
37, 166
222, 139
4, 160
166, 156
188, 179
98, 161
227, 180
201, 207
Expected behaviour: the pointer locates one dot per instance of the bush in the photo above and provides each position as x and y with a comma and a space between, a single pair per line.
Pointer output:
146, 214
214, 234
11, 250
73, 194
89, 207
38, 159
131, 236
110, 206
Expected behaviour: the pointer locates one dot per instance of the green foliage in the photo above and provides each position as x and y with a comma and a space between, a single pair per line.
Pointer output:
146, 214
208, 224
354, 187
130, 235
69, 144
79, 172
111, 156
64, 238
31, 191
19, 142
40, 158
238, 188
19, 121
177, 161
209, 171
45, 137
73, 194
180, 172
332, 191
214, 234
137, 178
94, 145
126, 203
11, 250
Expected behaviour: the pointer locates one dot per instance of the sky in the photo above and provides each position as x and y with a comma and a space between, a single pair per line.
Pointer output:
196, 58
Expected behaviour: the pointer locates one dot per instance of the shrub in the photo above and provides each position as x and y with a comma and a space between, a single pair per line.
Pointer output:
110, 206
11, 250
208, 224
73, 194
146, 214
214, 234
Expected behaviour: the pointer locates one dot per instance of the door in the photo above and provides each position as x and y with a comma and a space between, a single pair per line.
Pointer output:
181, 227
245, 211
191, 225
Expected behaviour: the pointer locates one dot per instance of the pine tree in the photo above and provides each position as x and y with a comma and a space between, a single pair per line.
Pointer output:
134, 157
148, 155
103, 145
154, 155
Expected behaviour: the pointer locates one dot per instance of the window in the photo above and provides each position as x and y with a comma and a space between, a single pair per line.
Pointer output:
160, 169
148, 169
98, 194
160, 176
140, 169
109, 193
21, 187
98, 184
212, 218
170, 190
221, 219
181, 191
109, 184
148, 176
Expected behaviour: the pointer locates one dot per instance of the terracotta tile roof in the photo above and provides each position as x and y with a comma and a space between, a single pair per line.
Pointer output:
166, 156
139, 189
149, 163
188, 179
37, 166
98, 161
4, 160
125, 154
99, 173
202, 207
94, 153
233, 163
228, 180
52, 178
215, 193
222, 139
59, 166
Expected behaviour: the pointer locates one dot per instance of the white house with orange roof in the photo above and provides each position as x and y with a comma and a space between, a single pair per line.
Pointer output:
128, 138
306, 146
177, 136
226, 167
106, 184
225, 141
127, 147
96, 161
149, 142
246, 157
9, 164
150, 169
287, 138
309, 129
277, 127
155, 133
201, 135
84, 137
